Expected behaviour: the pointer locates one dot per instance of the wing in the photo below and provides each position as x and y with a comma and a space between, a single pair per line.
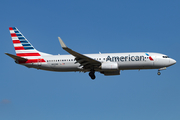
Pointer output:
85, 61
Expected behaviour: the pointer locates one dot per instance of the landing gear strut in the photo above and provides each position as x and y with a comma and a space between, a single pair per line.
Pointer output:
159, 73
91, 74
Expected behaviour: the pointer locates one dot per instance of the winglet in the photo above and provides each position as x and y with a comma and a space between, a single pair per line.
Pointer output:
62, 43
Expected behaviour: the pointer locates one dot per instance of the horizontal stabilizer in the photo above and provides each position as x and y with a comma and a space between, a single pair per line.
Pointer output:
16, 57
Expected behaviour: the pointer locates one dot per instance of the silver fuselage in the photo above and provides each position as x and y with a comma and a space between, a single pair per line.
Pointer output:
125, 61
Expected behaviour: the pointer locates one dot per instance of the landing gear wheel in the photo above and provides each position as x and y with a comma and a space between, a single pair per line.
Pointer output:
91, 74
93, 77
159, 73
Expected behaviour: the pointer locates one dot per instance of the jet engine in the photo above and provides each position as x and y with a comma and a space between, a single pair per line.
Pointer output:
109, 66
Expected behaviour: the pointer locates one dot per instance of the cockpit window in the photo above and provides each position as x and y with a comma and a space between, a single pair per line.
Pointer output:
165, 57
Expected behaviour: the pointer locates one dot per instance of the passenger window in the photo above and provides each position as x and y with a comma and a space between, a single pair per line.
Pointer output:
165, 57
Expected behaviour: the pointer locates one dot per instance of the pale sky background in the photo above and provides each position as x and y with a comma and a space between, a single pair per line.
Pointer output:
91, 26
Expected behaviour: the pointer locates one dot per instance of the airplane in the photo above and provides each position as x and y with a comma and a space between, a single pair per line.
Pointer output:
105, 63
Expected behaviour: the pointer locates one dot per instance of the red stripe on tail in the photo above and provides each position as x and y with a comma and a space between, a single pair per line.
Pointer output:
13, 35
27, 54
16, 41
19, 48
10, 28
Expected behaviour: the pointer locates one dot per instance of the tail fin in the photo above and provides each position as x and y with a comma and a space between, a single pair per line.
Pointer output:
21, 44
23, 47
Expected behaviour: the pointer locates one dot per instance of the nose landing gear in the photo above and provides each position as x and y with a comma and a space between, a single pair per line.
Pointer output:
159, 73
91, 74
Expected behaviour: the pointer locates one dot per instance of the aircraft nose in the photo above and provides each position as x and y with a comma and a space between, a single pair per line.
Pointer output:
172, 61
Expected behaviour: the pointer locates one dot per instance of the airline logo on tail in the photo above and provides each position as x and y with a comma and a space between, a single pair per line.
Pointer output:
19, 41
23, 47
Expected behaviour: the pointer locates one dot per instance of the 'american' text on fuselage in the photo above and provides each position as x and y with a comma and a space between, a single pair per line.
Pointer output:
125, 58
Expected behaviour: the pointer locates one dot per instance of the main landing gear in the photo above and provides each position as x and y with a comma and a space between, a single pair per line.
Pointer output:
91, 74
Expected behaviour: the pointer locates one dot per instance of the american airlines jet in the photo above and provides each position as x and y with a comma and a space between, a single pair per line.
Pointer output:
107, 63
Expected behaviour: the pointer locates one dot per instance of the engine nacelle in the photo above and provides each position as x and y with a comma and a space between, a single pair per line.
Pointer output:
109, 66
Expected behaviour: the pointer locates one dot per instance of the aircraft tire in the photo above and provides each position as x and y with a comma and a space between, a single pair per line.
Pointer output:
159, 73
93, 77
91, 74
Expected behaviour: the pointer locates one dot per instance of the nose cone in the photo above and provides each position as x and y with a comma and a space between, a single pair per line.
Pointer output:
172, 61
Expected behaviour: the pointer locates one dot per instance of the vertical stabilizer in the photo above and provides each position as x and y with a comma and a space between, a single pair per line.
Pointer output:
23, 47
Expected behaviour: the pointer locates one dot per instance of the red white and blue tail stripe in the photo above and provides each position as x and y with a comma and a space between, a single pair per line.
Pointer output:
24, 48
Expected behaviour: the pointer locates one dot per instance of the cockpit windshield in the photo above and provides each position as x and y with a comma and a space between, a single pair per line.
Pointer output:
165, 57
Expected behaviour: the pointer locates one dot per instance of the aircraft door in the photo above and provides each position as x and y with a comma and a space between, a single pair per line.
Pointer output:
155, 63
39, 61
